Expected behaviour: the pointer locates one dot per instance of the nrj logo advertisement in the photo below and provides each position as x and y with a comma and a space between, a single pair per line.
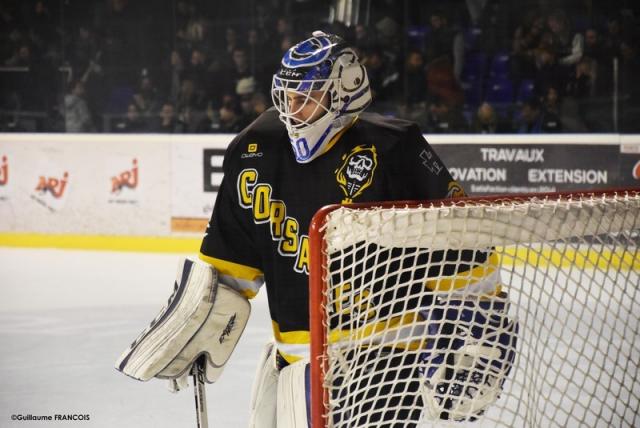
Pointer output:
124, 179
51, 186
4, 177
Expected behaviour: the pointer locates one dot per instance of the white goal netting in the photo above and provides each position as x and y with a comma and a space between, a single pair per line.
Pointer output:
514, 312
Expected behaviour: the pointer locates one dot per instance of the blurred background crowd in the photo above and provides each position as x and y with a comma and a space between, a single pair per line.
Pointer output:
203, 66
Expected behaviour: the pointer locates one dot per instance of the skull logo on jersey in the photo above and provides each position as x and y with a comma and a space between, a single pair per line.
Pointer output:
359, 167
356, 172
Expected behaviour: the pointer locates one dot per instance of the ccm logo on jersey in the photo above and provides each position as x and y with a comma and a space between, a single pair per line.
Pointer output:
285, 230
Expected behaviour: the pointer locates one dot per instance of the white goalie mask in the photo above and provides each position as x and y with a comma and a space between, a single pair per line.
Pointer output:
319, 90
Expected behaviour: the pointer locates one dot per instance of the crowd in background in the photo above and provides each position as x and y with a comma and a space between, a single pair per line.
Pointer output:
195, 66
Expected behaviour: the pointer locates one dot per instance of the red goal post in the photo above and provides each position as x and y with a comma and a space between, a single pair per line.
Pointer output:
607, 214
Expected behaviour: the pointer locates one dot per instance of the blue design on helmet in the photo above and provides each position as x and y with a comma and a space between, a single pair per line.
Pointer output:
309, 52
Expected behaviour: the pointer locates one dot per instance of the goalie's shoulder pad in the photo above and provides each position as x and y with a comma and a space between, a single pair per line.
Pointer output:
202, 316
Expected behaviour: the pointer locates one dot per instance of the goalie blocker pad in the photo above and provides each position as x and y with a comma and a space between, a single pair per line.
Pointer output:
202, 317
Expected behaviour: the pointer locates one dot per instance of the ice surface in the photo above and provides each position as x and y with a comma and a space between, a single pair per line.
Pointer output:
66, 316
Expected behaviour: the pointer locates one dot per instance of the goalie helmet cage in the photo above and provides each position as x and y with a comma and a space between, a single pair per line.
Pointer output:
569, 266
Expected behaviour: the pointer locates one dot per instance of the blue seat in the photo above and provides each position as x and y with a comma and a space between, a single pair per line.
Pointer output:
471, 38
472, 93
525, 90
474, 69
417, 36
499, 91
119, 99
500, 65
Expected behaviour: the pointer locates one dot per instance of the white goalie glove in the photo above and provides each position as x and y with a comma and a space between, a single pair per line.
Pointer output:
202, 318
470, 357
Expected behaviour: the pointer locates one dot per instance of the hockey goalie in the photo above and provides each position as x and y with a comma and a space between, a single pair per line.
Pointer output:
317, 147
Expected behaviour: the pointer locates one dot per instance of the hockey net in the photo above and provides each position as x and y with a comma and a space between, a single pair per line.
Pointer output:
518, 311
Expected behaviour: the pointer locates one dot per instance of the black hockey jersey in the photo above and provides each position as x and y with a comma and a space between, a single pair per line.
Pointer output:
259, 227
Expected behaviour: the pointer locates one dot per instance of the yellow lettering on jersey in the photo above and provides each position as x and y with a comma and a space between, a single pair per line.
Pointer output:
261, 203
246, 180
277, 216
289, 244
302, 260
284, 230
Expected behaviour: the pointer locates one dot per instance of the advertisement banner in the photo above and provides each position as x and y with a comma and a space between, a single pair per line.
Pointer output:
84, 184
533, 165
630, 161
196, 162
166, 185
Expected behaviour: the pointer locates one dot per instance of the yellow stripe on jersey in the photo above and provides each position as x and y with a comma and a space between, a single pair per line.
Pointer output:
293, 337
389, 327
467, 278
235, 270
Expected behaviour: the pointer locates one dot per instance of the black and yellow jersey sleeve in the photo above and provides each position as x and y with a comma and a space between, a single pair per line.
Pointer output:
229, 242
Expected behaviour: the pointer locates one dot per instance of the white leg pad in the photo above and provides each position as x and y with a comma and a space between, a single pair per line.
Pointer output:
292, 393
264, 392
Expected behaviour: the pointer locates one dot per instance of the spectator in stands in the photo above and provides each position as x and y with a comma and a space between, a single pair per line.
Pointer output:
580, 83
76, 111
630, 85
383, 76
445, 42
258, 56
548, 72
415, 80
495, 24
191, 105
230, 41
191, 96
239, 69
582, 110
22, 57
172, 73
133, 122
593, 46
551, 100
84, 48
487, 121
42, 28
526, 40
363, 39
444, 119
167, 120
534, 120
230, 120
387, 34
614, 35
196, 70
260, 103
284, 29
595, 50
569, 46
147, 97
245, 89
210, 123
